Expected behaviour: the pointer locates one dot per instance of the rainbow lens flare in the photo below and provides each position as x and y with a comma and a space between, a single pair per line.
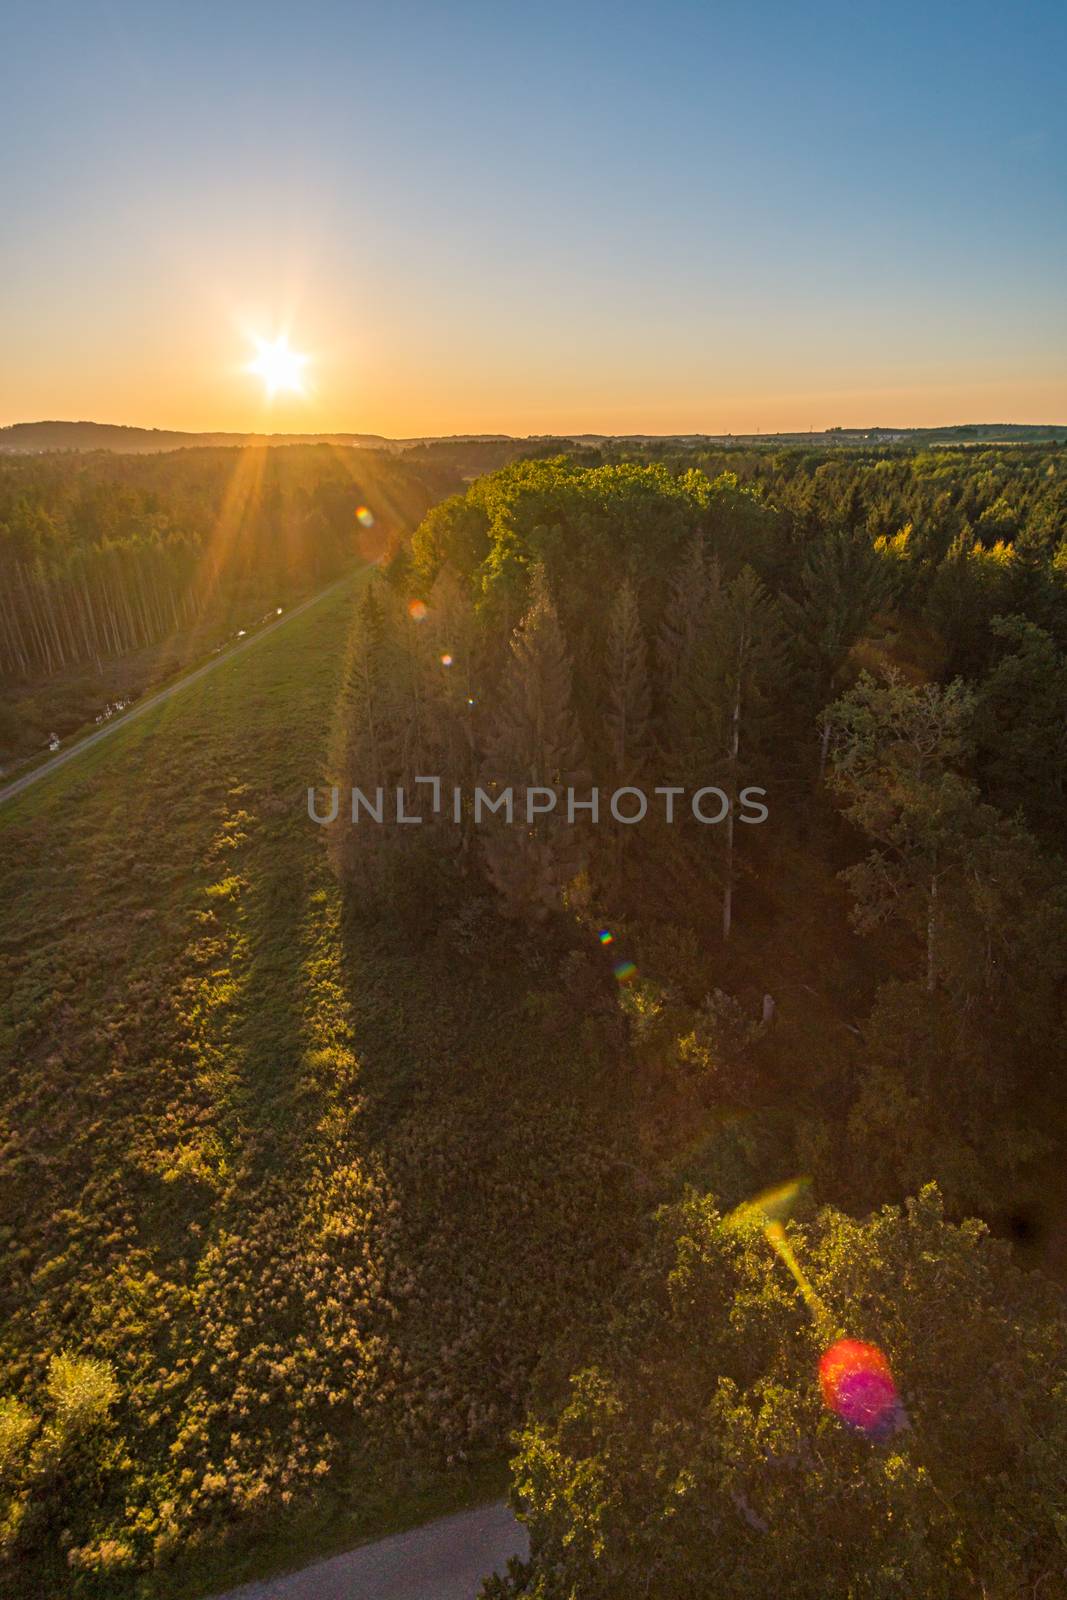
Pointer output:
605, 937
624, 971
417, 610
857, 1386
365, 516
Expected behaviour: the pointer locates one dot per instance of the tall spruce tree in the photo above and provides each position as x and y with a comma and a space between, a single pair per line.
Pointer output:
844, 581
627, 707
628, 698
692, 591
747, 641
1022, 727
723, 706
895, 764
534, 742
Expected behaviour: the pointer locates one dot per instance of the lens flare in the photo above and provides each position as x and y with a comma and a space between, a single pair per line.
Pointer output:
771, 1211
446, 660
855, 1378
773, 1205
417, 610
605, 937
625, 970
857, 1385
365, 516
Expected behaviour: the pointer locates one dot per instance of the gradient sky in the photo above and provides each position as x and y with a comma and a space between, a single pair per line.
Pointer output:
528, 218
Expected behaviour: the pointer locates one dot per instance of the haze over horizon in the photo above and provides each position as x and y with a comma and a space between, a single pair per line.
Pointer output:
471, 221
983, 428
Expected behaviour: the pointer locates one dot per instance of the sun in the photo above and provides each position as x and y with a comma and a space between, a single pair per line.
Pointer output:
280, 368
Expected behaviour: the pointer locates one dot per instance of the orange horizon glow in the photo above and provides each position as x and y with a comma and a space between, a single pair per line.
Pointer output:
420, 377
293, 413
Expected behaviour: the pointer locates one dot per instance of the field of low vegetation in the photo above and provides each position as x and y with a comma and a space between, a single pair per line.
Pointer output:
316, 1198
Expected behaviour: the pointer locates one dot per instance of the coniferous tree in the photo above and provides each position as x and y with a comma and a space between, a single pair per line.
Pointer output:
1021, 724
628, 695
747, 640
627, 705
843, 583
692, 591
895, 763
971, 585
534, 743
724, 706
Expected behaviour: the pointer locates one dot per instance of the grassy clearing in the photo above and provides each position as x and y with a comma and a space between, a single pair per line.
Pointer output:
319, 1196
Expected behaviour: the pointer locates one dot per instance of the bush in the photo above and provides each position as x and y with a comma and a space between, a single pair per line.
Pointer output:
82, 1391
17, 1427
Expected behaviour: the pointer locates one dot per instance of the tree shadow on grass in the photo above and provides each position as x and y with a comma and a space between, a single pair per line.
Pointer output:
495, 1089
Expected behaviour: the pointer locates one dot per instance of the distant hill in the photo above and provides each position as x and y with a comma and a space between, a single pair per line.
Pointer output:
28, 438
960, 433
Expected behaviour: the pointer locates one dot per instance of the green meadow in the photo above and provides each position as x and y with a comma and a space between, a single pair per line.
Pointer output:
311, 1189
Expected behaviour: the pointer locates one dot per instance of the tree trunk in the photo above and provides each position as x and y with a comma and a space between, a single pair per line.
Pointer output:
931, 925
735, 750
824, 750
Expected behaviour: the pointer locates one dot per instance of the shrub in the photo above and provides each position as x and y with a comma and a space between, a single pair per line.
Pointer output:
17, 1427
82, 1391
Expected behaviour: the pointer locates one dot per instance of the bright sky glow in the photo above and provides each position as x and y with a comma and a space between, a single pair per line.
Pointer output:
280, 368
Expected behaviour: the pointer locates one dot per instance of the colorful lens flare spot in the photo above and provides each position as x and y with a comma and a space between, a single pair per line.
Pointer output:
365, 516
605, 937
857, 1386
446, 660
417, 610
624, 971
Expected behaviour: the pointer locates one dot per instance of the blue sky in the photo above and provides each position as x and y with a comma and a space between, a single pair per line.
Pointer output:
524, 218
